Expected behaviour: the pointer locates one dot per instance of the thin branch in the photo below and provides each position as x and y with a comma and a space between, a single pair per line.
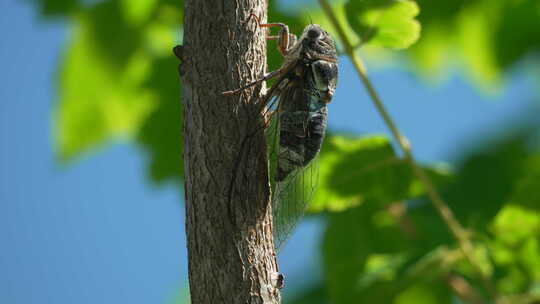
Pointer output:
464, 290
459, 233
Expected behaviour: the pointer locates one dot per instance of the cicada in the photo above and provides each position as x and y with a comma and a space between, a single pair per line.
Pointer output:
295, 109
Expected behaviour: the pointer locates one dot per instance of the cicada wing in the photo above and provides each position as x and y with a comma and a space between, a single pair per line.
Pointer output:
290, 199
295, 136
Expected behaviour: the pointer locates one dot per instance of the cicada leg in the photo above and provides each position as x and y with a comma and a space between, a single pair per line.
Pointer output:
249, 85
285, 43
285, 38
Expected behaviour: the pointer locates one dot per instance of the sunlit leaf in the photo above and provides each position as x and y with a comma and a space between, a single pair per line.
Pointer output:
99, 100
479, 34
137, 12
425, 293
354, 170
514, 224
476, 42
386, 23
496, 191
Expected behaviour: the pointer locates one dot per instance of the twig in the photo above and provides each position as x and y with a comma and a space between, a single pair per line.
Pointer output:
464, 290
459, 233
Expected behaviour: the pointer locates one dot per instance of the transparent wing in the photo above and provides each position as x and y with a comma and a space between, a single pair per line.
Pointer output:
290, 199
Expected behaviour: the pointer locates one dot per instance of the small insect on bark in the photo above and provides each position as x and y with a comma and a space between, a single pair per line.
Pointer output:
295, 111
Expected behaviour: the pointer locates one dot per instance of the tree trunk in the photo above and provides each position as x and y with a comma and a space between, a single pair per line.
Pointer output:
229, 228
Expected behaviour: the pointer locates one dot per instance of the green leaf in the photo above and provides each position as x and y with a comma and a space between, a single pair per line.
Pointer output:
315, 294
56, 8
161, 133
478, 35
365, 169
475, 38
386, 23
355, 169
101, 98
527, 189
514, 224
137, 12
349, 240
515, 248
425, 293
487, 179
370, 261
131, 88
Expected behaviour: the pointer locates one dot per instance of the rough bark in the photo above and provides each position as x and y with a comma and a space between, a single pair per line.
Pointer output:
229, 230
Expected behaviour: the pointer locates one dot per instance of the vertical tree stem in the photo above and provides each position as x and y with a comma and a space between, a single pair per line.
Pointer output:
459, 233
231, 255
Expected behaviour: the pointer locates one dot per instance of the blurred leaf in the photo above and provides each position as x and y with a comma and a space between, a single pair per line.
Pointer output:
115, 40
350, 238
354, 170
137, 12
479, 33
425, 293
430, 54
381, 267
314, 295
475, 38
56, 8
429, 230
439, 11
521, 17
161, 134
130, 90
368, 261
514, 224
100, 99
386, 23
495, 192
159, 38
527, 189
488, 178
516, 248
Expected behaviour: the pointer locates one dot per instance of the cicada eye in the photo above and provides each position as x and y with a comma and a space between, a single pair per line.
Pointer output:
314, 33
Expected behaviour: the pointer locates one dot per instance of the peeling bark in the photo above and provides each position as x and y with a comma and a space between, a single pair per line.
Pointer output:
229, 228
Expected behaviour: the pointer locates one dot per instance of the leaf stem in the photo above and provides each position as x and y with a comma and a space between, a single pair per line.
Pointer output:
458, 232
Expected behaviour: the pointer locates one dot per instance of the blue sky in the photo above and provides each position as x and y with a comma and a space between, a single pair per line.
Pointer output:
96, 231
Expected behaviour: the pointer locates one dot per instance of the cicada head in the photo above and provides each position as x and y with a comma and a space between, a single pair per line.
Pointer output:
316, 43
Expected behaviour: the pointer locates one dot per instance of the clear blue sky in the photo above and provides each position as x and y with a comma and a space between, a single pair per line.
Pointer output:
97, 232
